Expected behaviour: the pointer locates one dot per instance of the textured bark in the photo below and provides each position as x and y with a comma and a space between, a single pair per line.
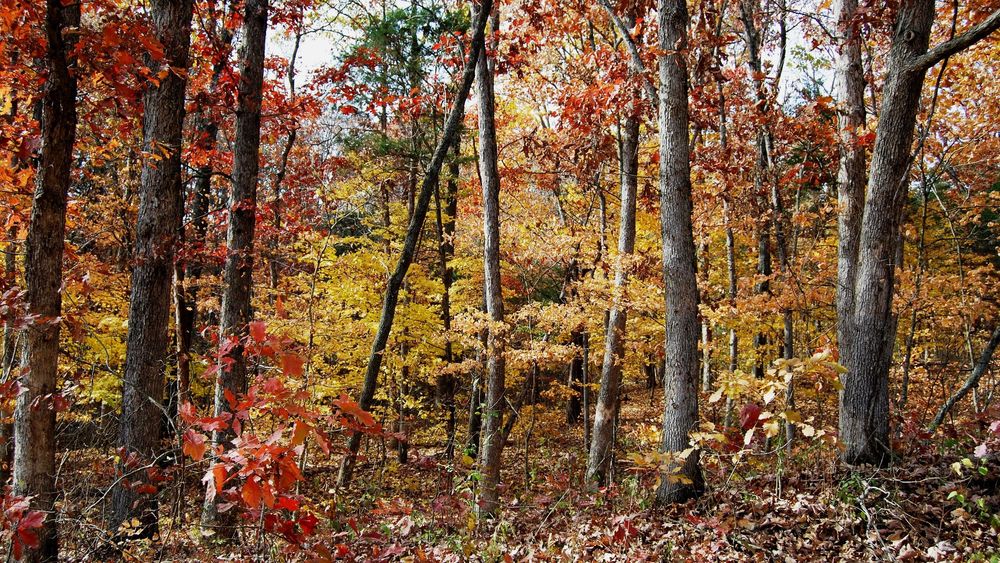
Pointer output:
680, 377
430, 179
238, 271
34, 418
492, 443
157, 225
851, 173
602, 441
864, 401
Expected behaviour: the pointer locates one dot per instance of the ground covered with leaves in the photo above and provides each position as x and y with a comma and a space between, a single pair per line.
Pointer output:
934, 504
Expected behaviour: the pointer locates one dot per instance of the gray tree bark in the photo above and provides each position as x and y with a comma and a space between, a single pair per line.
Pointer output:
34, 413
864, 401
238, 271
492, 439
602, 440
680, 377
430, 179
140, 425
851, 173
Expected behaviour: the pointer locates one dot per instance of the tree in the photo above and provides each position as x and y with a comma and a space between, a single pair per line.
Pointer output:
413, 230
605, 414
489, 175
680, 375
35, 413
871, 329
149, 302
232, 375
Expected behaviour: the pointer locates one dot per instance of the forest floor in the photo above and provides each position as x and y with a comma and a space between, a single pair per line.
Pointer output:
811, 510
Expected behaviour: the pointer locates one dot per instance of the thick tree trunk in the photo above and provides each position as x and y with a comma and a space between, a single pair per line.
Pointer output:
864, 401
680, 375
238, 270
850, 95
602, 442
34, 415
140, 426
431, 177
489, 455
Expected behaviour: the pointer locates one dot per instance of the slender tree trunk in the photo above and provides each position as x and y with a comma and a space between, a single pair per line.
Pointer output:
602, 443
187, 274
238, 270
431, 176
574, 376
980, 368
34, 415
446, 252
7, 358
489, 455
680, 375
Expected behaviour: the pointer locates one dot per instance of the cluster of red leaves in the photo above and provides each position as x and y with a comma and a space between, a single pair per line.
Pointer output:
258, 474
20, 525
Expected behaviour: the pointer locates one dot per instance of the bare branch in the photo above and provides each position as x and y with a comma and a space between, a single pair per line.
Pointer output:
634, 59
972, 36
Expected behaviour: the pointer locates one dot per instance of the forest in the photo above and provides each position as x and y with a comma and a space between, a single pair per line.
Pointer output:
484, 280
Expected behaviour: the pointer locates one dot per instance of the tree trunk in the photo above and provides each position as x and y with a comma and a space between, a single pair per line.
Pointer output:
574, 377
431, 176
489, 455
147, 346
446, 252
680, 377
34, 420
602, 441
850, 95
864, 401
238, 270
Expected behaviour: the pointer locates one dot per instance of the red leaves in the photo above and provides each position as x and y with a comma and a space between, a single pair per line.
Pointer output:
292, 365
749, 416
22, 524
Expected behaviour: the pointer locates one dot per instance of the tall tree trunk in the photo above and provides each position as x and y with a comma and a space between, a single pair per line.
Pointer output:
864, 401
9, 347
489, 455
602, 441
34, 415
680, 377
187, 274
431, 177
446, 252
147, 346
851, 173
238, 270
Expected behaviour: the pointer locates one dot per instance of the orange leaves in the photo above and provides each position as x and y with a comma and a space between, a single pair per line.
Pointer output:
195, 445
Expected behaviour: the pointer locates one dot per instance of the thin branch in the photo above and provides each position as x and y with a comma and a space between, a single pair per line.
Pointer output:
634, 58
